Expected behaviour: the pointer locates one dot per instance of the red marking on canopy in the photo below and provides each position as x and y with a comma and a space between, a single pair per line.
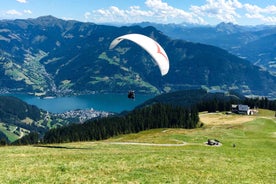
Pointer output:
160, 52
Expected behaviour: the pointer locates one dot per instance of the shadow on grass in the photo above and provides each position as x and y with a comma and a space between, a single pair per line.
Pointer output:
61, 147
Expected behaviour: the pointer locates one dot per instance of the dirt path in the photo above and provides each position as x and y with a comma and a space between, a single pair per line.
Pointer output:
162, 145
147, 144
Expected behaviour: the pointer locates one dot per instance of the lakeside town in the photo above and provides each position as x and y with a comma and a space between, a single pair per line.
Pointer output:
82, 114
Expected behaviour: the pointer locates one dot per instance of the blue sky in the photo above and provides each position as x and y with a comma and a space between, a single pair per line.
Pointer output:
243, 12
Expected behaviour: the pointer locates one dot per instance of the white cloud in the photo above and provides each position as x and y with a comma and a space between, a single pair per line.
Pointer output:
13, 12
27, 11
87, 15
160, 11
114, 14
116, 11
267, 14
22, 1
157, 11
136, 11
223, 10
164, 11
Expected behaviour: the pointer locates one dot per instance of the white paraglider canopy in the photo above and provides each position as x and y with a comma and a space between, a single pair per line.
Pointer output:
151, 46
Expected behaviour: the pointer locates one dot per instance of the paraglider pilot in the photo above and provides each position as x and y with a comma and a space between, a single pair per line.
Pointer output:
131, 94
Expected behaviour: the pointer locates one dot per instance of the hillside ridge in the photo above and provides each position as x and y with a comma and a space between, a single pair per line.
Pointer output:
73, 58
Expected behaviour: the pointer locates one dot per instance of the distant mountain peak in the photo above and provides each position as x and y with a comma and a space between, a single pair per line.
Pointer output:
48, 19
228, 27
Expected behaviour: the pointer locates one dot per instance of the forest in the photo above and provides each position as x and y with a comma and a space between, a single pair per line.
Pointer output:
14, 109
155, 116
150, 117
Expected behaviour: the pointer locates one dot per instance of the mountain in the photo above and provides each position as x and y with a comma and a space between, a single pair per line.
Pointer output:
196, 97
50, 56
254, 43
17, 119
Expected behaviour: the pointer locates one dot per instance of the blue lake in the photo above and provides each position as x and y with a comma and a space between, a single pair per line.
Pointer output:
101, 102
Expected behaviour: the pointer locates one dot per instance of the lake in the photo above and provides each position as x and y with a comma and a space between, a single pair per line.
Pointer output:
101, 102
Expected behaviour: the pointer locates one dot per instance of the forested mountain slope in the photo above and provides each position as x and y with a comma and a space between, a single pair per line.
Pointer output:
50, 56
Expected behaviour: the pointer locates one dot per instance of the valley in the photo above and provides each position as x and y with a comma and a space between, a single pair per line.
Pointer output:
76, 60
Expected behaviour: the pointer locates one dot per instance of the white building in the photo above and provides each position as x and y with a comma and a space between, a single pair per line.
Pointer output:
240, 109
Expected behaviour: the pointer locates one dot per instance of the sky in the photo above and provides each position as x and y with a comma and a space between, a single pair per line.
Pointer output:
205, 12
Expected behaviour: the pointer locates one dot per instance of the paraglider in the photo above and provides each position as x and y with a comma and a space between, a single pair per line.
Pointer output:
152, 47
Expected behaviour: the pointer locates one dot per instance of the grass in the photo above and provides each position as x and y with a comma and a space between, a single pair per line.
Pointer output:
9, 133
253, 160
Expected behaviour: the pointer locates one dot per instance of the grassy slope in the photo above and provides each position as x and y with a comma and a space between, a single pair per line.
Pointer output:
251, 161
9, 133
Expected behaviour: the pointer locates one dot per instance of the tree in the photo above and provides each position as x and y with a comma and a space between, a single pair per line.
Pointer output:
32, 138
149, 117
3, 142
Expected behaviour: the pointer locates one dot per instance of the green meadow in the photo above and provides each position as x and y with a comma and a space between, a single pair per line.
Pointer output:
155, 156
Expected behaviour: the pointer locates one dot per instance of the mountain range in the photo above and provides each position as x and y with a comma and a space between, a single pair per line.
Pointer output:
50, 56
254, 43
